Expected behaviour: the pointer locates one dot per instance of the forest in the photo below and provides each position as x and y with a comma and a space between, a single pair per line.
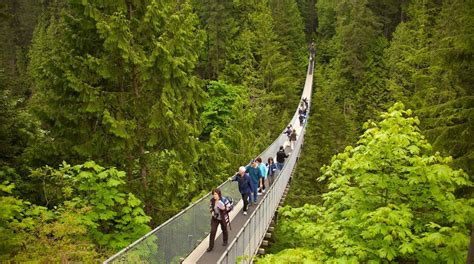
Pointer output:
117, 114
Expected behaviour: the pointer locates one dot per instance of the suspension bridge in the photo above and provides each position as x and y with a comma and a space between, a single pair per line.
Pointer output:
185, 237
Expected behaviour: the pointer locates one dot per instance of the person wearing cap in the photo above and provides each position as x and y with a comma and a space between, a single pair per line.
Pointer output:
255, 174
281, 156
245, 186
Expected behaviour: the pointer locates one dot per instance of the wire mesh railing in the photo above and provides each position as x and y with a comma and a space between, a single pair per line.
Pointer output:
176, 238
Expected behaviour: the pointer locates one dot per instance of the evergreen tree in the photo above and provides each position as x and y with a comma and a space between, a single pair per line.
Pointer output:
114, 82
288, 25
425, 76
307, 10
409, 56
17, 128
374, 96
217, 19
448, 117
258, 63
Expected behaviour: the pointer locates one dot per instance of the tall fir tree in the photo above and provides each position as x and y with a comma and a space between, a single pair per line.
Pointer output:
114, 82
424, 74
218, 20
449, 115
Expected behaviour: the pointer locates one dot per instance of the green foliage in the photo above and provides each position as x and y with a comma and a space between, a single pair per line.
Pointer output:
409, 56
116, 218
374, 95
429, 61
390, 199
30, 232
217, 111
292, 255
17, 126
89, 208
219, 22
115, 84
11, 209
288, 24
449, 127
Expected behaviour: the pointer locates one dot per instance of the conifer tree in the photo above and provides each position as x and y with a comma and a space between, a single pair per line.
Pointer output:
114, 81
449, 115
288, 25
218, 20
425, 76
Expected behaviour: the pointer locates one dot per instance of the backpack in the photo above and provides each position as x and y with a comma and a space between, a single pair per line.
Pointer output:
228, 202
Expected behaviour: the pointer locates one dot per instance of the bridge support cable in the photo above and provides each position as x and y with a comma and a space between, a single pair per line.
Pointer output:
175, 240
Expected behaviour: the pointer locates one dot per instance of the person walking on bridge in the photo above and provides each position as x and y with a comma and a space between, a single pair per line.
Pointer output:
306, 104
301, 114
263, 171
293, 138
245, 186
255, 175
281, 156
218, 216
288, 130
272, 167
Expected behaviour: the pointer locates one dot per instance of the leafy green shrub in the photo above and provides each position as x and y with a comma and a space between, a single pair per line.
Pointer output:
390, 199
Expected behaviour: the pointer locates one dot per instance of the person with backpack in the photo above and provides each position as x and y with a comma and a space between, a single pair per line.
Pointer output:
272, 167
219, 216
245, 186
281, 156
255, 174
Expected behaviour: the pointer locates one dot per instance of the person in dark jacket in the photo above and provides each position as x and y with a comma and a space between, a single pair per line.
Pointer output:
219, 215
245, 186
281, 156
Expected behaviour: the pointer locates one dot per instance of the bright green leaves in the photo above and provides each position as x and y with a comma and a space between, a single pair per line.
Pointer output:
33, 232
299, 255
389, 199
92, 207
111, 212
